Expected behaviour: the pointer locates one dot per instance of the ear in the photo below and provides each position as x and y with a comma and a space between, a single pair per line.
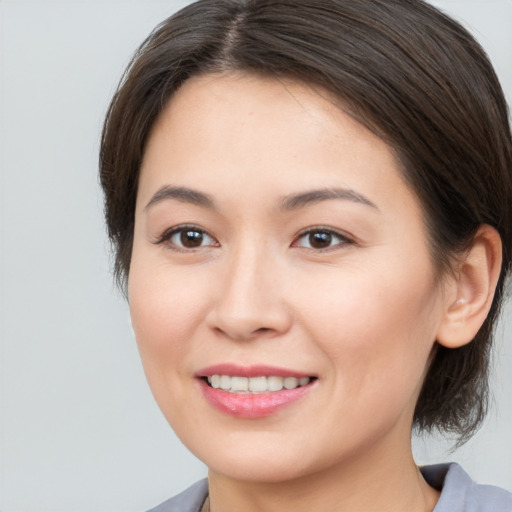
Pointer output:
471, 290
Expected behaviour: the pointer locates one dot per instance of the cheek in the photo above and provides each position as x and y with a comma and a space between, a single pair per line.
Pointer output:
377, 332
166, 307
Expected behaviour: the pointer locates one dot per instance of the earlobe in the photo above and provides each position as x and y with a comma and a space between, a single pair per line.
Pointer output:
473, 290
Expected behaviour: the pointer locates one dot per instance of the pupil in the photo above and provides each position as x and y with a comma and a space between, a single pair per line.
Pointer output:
320, 240
191, 238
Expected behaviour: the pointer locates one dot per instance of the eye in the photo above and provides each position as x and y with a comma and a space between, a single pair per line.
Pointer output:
321, 239
187, 237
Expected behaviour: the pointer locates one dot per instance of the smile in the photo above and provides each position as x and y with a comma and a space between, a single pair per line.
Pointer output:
255, 385
253, 392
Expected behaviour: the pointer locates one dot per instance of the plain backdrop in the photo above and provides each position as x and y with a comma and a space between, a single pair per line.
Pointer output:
79, 431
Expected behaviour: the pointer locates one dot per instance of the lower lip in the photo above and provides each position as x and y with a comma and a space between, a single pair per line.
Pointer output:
247, 405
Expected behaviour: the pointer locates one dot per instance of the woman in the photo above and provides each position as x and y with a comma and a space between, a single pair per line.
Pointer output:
310, 206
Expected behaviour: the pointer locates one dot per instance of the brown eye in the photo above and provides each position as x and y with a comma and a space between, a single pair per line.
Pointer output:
186, 237
191, 238
321, 239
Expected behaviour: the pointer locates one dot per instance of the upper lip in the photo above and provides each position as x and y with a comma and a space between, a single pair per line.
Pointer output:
249, 371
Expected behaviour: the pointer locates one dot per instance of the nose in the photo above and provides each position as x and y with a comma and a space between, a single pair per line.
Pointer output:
250, 301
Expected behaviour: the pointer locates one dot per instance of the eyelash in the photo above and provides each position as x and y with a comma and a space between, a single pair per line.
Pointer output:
343, 239
167, 236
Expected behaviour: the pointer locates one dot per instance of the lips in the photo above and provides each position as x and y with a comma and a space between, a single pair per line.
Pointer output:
252, 392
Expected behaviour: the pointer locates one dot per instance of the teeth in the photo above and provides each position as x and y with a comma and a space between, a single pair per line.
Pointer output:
258, 384
255, 384
225, 382
239, 384
291, 382
275, 383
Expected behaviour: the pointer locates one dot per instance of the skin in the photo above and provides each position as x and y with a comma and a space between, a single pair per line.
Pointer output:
362, 315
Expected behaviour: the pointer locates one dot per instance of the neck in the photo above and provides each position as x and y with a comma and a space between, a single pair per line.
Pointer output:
373, 483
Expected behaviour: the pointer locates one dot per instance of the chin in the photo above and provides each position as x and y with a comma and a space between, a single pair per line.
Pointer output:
271, 461
267, 471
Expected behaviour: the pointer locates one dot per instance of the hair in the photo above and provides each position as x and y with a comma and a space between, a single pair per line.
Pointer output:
403, 69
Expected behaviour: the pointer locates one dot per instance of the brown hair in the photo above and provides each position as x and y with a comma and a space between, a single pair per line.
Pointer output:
402, 68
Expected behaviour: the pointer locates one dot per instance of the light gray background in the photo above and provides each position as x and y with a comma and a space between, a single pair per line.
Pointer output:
78, 427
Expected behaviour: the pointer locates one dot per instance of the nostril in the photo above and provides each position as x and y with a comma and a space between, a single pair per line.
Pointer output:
237, 333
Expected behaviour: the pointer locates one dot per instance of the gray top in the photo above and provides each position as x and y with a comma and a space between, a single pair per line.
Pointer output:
458, 493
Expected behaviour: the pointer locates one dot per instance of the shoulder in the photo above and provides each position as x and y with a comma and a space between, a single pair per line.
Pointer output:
190, 500
459, 493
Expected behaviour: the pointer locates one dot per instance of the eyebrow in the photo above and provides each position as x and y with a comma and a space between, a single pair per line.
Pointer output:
183, 194
302, 199
290, 202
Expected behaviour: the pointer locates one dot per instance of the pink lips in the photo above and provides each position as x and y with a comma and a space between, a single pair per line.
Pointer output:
250, 405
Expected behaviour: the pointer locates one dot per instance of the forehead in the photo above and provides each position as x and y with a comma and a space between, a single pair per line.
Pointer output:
237, 100
270, 134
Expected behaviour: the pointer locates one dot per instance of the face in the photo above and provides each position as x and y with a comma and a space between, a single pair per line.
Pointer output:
281, 287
